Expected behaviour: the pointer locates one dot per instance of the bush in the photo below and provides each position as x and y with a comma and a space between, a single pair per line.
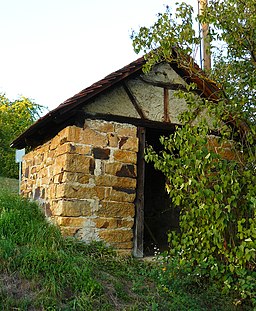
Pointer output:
216, 198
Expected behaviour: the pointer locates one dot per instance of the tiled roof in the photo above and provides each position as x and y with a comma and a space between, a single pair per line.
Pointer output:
47, 123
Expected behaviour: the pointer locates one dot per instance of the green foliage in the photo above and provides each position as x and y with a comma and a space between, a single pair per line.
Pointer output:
15, 117
233, 23
170, 30
216, 197
218, 212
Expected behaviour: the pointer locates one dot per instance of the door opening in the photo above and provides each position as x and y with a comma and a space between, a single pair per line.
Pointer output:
159, 216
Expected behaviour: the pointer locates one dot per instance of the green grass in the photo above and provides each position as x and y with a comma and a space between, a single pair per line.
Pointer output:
10, 184
41, 270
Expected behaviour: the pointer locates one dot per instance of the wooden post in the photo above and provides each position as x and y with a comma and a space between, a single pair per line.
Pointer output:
206, 40
139, 202
166, 105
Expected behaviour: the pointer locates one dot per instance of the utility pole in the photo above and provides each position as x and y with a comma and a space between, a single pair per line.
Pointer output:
205, 37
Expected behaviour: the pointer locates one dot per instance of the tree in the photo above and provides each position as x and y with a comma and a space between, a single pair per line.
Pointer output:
216, 196
15, 117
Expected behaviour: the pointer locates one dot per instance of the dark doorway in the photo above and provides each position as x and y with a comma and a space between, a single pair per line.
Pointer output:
159, 216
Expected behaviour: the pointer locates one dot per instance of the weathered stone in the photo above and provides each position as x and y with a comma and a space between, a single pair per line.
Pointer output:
125, 156
78, 163
126, 130
47, 210
116, 209
60, 164
113, 223
112, 140
92, 137
70, 221
72, 177
125, 223
80, 186
100, 153
33, 170
129, 143
45, 181
74, 191
224, 149
104, 223
69, 231
113, 168
72, 134
121, 195
72, 148
116, 235
122, 141
55, 142
51, 191
114, 181
127, 170
100, 125
72, 208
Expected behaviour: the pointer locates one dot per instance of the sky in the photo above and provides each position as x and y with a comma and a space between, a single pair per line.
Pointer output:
52, 49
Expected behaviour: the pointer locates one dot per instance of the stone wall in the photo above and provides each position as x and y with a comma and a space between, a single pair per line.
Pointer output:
85, 179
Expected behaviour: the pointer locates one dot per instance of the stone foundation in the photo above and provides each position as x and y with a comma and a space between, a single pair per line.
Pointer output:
85, 179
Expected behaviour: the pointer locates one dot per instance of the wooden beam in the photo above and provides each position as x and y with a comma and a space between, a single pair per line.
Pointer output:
134, 121
166, 105
166, 85
139, 201
134, 101
206, 38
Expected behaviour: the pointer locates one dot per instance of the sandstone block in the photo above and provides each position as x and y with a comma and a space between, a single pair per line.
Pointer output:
51, 191
127, 170
125, 223
113, 168
113, 140
114, 181
113, 223
71, 134
116, 209
55, 142
121, 194
45, 181
92, 137
66, 148
77, 163
116, 235
70, 221
126, 130
74, 191
72, 177
68, 231
73, 208
100, 125
125, 156
129, 143
104, 223
82, 149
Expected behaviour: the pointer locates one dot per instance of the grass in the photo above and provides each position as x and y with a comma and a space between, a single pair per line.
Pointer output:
41, 270
9, 184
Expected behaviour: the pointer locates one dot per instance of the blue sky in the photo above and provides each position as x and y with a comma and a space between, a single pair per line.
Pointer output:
52, 49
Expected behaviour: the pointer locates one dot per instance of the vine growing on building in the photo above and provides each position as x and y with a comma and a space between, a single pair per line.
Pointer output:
211, 179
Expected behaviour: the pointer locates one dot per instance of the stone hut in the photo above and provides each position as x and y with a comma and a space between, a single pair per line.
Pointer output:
86, 166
